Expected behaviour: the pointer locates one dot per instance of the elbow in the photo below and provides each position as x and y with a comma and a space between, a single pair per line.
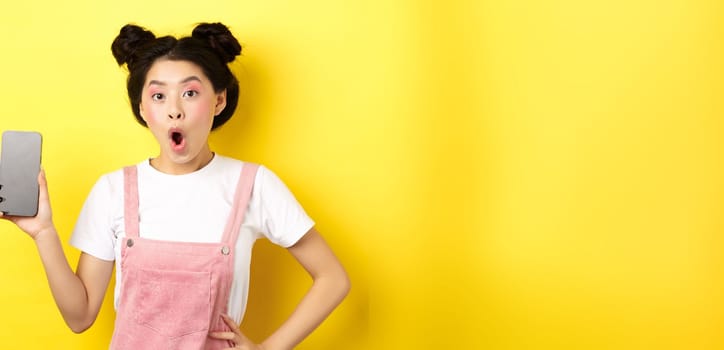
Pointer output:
336, 285
343, 285
347, 285
78, 330
78, 327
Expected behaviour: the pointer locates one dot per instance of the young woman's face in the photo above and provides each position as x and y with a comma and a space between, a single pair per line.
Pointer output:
179, 104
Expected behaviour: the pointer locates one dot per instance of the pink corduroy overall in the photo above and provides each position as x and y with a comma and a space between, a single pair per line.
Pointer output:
173, 293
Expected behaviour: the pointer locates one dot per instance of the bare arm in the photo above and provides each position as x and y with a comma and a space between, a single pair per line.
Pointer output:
77, 295
330, 286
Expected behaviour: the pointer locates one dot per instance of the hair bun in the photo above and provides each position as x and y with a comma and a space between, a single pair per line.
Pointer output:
128, 40
219, 38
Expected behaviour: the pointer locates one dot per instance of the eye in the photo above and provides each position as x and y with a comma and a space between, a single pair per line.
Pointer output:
190, 93
157, 96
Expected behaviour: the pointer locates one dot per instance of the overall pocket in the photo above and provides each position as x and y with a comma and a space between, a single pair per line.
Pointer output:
173, 303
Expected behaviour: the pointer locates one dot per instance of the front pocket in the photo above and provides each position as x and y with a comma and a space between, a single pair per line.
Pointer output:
173, 303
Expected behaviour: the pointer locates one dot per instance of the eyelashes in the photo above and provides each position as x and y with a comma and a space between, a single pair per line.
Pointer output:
157, 96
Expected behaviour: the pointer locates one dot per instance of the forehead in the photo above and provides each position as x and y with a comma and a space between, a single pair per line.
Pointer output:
173, 72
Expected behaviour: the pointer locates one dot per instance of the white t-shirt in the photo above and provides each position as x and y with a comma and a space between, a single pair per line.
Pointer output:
191, 208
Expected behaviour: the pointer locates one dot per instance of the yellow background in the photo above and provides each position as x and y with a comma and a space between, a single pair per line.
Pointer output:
493, 174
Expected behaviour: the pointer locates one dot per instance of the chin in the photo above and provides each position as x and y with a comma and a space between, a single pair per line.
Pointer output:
184, 158
181, 159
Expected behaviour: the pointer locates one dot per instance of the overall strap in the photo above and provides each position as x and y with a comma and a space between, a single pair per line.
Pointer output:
241, 202
130, 200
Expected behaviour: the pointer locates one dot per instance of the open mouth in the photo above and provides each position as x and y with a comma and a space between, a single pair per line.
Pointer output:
177, 139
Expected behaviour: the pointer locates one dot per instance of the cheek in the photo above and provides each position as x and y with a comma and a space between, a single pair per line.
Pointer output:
148, 112
203, 110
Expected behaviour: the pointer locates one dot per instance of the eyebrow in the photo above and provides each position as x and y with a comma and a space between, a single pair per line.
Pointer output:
191, 78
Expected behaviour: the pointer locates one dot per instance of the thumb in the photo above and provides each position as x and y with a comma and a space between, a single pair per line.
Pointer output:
42, 181
43, 184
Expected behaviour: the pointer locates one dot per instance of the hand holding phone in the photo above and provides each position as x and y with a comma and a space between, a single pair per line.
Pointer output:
19, 169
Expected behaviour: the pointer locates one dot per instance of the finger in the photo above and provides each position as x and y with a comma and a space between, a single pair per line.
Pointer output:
223, 335
240, 339
229, 322
231, 338
7, 217
43, 184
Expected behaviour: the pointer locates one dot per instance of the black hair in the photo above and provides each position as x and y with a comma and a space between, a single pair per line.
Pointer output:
211, 46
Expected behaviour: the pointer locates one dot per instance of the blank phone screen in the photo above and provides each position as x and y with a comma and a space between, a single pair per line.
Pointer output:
19, 168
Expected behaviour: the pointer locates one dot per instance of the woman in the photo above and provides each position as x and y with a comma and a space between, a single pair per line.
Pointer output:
180, 226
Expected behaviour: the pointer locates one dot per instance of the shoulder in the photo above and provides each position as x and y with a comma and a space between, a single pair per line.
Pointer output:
271, 188
111, 182
227, 165
106, 192
265, 180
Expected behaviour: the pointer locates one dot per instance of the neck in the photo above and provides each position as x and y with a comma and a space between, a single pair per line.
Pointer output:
168, 166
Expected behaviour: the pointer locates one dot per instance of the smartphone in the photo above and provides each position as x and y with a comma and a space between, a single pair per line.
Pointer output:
19, 168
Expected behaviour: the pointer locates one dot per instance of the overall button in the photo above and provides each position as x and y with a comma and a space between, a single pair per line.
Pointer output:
225, 250
129, 243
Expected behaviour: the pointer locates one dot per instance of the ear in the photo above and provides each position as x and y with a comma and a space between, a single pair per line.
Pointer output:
140, 112
220, 102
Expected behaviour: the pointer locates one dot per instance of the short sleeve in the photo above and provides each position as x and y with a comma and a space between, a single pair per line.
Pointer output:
283, 219
93, 232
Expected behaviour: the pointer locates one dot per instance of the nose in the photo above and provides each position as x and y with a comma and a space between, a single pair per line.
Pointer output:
174, 109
